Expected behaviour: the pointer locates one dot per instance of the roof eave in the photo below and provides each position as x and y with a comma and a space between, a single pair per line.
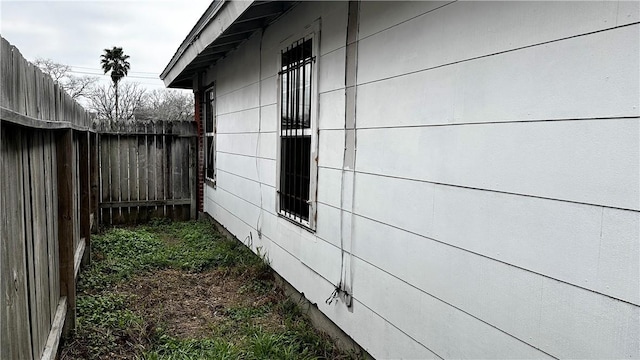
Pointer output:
219, 16
222, 28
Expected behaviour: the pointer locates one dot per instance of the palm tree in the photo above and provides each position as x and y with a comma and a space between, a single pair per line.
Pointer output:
115, 60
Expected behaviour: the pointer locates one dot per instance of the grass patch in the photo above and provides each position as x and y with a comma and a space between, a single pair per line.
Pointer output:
180, 290
174, 349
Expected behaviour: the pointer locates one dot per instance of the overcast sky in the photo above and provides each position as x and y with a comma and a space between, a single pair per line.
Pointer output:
76, 32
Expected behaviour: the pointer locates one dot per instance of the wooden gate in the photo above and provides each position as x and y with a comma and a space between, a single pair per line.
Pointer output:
147, 170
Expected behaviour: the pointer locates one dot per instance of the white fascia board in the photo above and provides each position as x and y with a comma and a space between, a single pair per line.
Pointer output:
224, 18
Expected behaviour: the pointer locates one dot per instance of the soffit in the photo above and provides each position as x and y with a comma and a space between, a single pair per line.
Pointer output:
222, 28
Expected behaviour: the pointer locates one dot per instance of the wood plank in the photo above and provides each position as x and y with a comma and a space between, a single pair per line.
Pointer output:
6, 247
39, 90
124, 176
6, 85
14, 117
147, 203
25, 251
29, 92
64, 150
104, 143
183, 129
18, 82
76, 187
68, 107
143, 178
168, 171
8, 151
182, 169
94, 179
55, 209
78, 256
85, 189
16, 342
114, 165
35, 88
26, 176
44, 97
53, 341
186, 175
40, 245
172, 174
132, 142
50, 100
56, 103
50, 210
151, 169
160, 173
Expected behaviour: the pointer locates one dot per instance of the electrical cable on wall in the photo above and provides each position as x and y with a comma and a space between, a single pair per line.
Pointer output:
349, 295
344, 287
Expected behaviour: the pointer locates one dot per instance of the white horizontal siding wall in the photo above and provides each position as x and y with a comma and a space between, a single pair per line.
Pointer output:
496, 204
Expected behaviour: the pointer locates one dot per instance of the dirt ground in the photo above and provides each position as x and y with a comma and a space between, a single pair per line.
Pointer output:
192, 305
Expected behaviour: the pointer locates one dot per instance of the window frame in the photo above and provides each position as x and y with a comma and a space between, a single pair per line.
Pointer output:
311, 32
210, 135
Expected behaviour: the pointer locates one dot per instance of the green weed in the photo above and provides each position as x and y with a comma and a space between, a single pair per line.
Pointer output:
107, 311
119, 254
104, 323
175, 349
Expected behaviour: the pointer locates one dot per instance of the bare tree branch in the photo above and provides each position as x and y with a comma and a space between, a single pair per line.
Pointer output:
169, 105
75, 86
55, 70
79, 86
102, 102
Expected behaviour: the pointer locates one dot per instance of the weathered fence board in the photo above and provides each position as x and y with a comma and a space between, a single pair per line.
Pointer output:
84, 174
148, 169
40, 250
161, 165
152, 178
143, 170
66, 222
51, 209
94, 181
30, 95
16, 340
28, 229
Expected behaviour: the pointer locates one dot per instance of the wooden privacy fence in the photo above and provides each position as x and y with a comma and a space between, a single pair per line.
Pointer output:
46, 203
55, 169
147, 170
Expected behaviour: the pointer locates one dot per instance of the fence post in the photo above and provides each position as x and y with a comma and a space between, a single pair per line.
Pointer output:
85, 199
64, 149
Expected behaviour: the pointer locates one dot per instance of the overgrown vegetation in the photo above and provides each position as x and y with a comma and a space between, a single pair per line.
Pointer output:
182, 291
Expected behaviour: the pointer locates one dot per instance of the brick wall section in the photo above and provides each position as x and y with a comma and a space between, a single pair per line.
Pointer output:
200, 151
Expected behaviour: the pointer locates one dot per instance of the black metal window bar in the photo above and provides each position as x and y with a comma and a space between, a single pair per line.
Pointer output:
210, 111
295, 130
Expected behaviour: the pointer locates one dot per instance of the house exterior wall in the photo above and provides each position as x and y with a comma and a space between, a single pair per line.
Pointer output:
494, 210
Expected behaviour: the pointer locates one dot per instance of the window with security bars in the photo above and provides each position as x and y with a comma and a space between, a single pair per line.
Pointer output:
210, 133
295, 130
